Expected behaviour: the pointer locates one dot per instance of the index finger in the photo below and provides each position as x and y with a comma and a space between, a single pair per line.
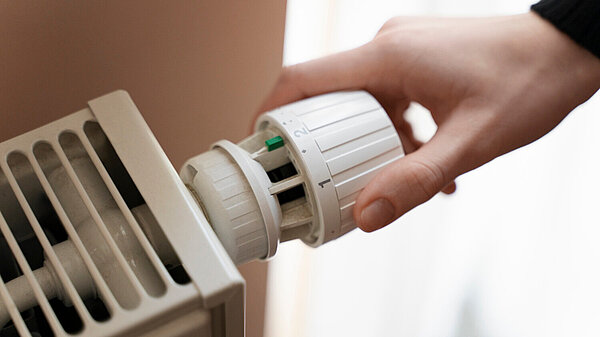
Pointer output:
348, 70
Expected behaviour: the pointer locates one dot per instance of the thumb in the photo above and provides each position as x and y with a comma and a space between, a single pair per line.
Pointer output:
407, 183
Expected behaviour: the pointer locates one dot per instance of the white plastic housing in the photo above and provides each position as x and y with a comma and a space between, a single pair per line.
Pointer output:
339, 141
336, 144
235, 196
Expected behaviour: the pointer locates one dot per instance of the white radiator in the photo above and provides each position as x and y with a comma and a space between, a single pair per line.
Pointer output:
44, 198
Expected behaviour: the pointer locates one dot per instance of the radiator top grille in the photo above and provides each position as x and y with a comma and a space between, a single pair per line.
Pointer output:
64, 192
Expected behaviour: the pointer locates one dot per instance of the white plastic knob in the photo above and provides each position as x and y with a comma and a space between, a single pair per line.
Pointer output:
341, 141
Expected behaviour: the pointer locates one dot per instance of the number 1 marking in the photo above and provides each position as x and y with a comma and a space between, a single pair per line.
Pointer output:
322, 183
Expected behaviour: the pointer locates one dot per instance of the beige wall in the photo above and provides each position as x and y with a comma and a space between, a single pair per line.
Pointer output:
196, 69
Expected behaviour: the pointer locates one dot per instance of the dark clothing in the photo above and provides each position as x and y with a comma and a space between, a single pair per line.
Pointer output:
579, 19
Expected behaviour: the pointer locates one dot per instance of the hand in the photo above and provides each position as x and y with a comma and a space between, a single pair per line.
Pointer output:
492, 85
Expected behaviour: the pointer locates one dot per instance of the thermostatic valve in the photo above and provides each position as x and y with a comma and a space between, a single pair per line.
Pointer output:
297, 176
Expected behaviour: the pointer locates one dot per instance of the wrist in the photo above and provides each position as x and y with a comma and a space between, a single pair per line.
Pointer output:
561, 52
561, 60
575, 18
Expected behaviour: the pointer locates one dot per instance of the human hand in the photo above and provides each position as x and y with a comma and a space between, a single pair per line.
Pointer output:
491, 84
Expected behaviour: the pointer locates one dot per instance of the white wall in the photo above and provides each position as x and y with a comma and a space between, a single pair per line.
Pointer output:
515, 252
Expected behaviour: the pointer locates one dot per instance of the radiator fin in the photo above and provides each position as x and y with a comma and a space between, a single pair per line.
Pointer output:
56, 183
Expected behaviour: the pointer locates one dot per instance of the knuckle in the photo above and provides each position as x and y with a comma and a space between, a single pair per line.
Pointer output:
291, 78
386, 45
425, 177
288, 74
391, 41
398, 22
391, 24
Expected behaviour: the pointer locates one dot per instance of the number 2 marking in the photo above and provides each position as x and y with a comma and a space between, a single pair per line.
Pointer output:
300, 132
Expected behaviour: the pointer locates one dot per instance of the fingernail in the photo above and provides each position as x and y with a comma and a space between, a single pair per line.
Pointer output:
378, 214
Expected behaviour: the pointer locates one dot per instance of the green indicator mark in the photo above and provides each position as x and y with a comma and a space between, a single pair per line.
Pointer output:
274, 143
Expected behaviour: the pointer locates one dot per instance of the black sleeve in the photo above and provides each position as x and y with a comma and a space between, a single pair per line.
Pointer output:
579, 19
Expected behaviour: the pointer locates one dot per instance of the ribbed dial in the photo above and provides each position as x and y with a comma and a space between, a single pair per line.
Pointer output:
230, 205
356, 139
341, 140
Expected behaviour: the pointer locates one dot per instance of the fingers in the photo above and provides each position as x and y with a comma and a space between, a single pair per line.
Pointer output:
407, 183
450, 188
343, 71
411, 144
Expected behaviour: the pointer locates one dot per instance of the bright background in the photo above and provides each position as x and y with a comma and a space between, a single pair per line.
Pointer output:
515, 252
